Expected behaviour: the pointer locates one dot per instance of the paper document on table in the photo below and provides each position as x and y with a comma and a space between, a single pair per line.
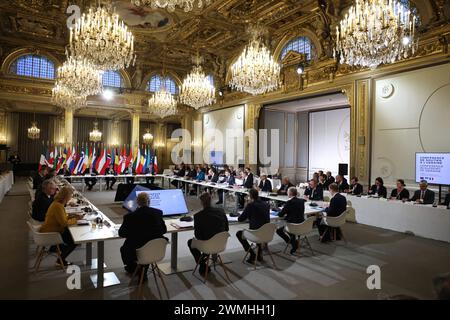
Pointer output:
182, 224
72, 210
232, 219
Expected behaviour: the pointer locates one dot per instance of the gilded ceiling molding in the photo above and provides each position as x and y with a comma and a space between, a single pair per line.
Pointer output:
13, 56
126, 78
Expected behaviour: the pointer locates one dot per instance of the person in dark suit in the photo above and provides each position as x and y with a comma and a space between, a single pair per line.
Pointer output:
423, 195
207, 223
342, 183
294, 210
180, 173
322, 181
378, 188
328, 181
447, 198
264, 184
39, 177
285, 185
338, 204
355, 187
15, 160
400, 193
314, 192
247, 182
230, 181
90, 182
110, 180
138, 228
43, 201
149, 170
257, 212
64, 171
129, 171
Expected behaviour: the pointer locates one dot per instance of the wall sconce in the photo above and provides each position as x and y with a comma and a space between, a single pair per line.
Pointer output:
160, 144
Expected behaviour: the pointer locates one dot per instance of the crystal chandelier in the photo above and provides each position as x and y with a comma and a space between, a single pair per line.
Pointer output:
34, 132
197, 90
95, 135
255, 71
374, 32
162, 103
147, 137
104, 40
187, 5
65, 98
80, 76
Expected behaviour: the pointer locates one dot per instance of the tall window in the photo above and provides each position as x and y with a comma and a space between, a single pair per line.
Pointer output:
300, 45
154, 84
404, 8
34, 66
112, 79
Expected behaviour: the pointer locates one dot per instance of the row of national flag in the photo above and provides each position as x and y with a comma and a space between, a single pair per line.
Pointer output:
80, 159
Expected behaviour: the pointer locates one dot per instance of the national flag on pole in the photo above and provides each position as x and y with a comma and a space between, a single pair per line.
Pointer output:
95, 157
123, 160
60, 159
155, 164
51, 158
137, 161
129, 159
117, 161
71, 159
101, 161
64, 156
84, 165
42, 162
79, 167
107, 162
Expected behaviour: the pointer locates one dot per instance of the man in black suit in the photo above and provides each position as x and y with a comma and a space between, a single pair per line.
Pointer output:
355, 187
247, 182
285, 185
229, 180
447, 198
424, 195
110, 180
257, 212
43, 201
207, 223
64, 171
328, 181
338, 204
264, 184
39, 177
342, 184
138, 228
294, 210
90, 182
314, 192
180, 173
129, 171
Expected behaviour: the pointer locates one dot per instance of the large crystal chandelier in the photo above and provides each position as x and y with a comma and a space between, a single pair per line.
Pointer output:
104, 40
162, 103
187, 5
80, 76
65, 98
197, 90
33, 132
147, 137
255, 70
374, 32
95, 135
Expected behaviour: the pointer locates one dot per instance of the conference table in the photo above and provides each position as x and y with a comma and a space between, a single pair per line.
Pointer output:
6, 182
93, 233
100, 177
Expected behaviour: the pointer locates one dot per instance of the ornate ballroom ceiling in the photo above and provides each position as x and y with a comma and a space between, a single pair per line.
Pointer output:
217, 31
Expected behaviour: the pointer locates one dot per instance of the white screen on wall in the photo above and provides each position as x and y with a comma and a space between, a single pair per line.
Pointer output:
329, 140
433, 167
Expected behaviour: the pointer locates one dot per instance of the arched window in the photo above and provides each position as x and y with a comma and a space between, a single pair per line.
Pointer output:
403, 8
33, 66
154, 84
112, 79
300, 45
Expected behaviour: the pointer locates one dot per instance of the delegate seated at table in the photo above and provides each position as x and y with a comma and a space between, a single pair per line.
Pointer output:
43, 201
110, 180
294, 210
423, 195
338, 204
207, 223
400, 193
314, 192
138, 228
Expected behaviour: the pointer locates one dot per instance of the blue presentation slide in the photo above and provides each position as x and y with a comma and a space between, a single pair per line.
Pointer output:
170, 202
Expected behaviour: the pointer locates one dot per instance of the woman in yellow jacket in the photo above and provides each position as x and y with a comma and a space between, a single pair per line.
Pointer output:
56, 220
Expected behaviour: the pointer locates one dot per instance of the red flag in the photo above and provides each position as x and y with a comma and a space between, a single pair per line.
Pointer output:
129, 158
107, 162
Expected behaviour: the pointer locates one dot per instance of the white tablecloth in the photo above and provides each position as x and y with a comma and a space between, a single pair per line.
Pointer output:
6, 182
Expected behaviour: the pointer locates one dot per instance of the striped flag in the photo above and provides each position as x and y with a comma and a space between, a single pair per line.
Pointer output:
107, 162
